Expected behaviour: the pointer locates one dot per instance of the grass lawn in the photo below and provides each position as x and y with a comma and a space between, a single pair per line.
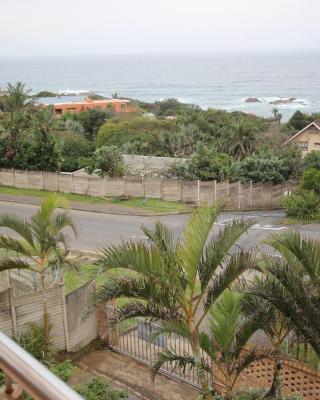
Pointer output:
44, 193
152, 205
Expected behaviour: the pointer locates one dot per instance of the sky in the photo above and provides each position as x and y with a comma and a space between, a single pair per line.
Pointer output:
71, 27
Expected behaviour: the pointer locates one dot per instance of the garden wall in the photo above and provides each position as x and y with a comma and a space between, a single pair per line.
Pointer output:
73, 318
236, 195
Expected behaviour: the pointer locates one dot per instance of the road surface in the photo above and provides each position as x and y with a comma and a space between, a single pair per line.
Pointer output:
96, 230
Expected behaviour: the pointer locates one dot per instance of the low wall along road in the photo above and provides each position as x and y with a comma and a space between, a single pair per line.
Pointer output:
236, 195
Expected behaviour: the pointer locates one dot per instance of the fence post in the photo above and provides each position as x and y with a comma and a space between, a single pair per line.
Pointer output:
198, 193
27, 179
42, 181
72, 189
215, 191
13, 178
106, 185
143, 187
261, 196
228, 190
13, 313
180, 190
124, 186
87, 188
239, 195
251, 194
65, 317
161, 187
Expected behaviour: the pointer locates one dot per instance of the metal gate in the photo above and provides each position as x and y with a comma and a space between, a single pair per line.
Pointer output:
132, 338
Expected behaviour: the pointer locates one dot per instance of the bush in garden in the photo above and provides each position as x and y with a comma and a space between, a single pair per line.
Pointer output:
312, 160
304, 206
62, 370
98, 389
311, 179
106, 161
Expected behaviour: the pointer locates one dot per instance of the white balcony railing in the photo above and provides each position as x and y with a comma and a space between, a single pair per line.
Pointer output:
25, 373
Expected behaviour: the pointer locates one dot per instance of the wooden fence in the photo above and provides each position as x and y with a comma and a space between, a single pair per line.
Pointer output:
73, 318
237, 195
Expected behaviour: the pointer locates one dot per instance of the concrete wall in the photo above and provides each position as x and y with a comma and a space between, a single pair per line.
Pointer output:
235, 195
73, 319
149, 165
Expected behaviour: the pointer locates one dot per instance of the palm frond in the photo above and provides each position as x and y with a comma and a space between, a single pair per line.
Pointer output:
195, 236
7, 263
218, 249
161, 237
134, 256
138, 308
170, 357
18, 225
236, 265
295, 248
15, 245
63, 220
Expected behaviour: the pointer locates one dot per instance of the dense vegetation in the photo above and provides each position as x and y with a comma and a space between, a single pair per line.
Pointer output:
219, 145
183, 282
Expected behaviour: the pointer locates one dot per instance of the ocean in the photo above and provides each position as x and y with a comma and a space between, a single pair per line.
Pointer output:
217, 80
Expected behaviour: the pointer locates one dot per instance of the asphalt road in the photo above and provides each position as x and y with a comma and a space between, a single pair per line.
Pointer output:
96, 230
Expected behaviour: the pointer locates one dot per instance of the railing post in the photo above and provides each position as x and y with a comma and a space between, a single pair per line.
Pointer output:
251, 194
261, 196
215, 191
13, 178
239, 195
42, 181
106, 185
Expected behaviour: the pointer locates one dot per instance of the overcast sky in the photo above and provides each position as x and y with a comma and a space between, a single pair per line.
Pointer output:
50, 27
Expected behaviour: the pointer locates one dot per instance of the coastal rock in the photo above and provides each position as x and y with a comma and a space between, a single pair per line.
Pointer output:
252, 100
283, 101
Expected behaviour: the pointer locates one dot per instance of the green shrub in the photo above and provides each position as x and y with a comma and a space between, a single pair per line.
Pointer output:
304, 206
34, 343
311, 179
312, 160
72, 149
135, 135
63, 370
106, 161
1, 378
98, 389
266, 166
205, 164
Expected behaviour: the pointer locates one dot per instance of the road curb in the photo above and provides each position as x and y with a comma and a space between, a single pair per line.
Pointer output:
89, 209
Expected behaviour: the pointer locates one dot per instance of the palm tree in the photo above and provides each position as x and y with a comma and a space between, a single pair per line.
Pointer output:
275, 326
293, 283
44, 122
226, 344
240, 141
16, 98
176, 281
42, 244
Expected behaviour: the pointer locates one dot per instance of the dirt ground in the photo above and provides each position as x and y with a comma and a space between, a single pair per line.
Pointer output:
126, 372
